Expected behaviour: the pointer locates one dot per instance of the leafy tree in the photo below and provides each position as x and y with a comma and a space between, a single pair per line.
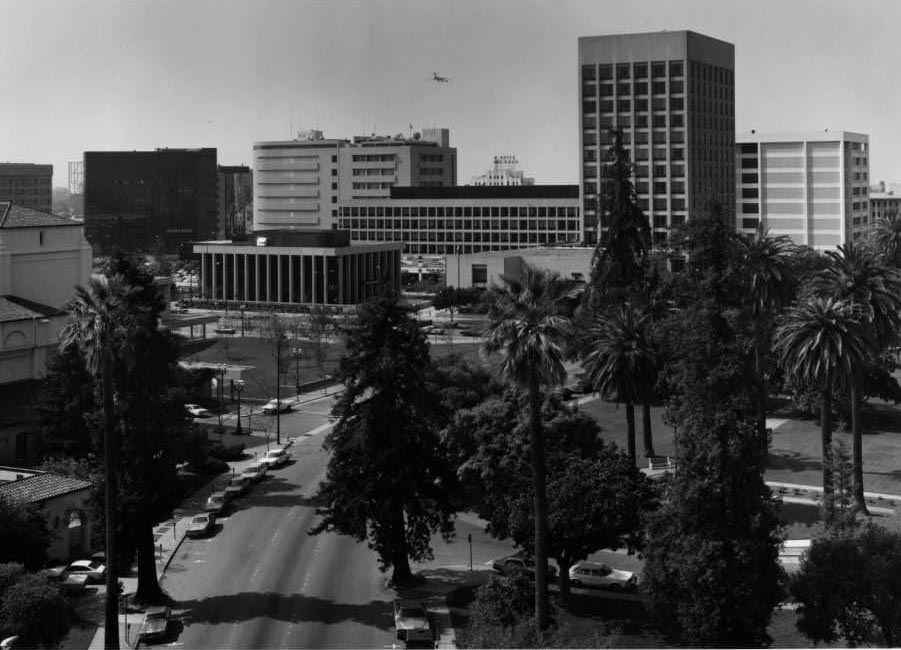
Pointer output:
23, 533
849, 587
67, 398
10, 572
822, 339
279, 346
36, 612
528, 332
388, 480
622, 364
854, 274
712, 575
501, 614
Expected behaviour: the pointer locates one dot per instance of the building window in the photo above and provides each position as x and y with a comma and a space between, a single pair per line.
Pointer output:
641, 70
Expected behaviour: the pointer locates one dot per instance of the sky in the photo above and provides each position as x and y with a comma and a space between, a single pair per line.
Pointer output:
88, 75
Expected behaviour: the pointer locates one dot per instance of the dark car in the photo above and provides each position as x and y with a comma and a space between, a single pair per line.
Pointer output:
519, 565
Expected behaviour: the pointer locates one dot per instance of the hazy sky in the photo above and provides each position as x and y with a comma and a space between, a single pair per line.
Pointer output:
118, 75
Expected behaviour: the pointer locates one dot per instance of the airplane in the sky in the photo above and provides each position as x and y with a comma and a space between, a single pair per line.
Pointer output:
439, 79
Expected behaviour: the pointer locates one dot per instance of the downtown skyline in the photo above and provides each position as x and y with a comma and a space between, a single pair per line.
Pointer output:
143, 75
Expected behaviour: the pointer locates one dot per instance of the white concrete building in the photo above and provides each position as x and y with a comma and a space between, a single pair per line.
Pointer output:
812, 187
484, 269
505, 171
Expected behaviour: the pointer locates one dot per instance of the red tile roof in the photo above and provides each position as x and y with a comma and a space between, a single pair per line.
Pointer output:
14, 308
41, 487
17, 216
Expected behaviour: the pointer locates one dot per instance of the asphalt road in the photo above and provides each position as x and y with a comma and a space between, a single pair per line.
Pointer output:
262, 581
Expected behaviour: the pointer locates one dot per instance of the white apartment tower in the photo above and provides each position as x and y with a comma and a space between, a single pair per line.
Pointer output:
812, 187
505, 171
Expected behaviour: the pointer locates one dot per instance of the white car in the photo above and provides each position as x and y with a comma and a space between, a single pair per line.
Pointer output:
254, 472
601, 576
412, 624
274, 406
275, 457
94, 570
197, 411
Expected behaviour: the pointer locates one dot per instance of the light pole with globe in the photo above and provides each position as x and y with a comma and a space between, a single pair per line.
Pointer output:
239, 386
296, 352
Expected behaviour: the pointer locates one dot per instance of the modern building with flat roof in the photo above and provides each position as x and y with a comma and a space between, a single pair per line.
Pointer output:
672, 94
884, 205
505, 171
27, 184
299, 183
152, 201
286, 269
467, 218
235, 184
812, 187
484, 269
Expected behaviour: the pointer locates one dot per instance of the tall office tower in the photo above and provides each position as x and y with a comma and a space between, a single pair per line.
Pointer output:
235, 201
27, 184
673, 96
812, 187
153, 201
505, 171
76, 177
297, 183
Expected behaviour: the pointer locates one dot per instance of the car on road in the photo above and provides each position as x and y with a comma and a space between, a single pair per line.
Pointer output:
69, 584
276, 457
201, 525
274, 406
517, 564
93, 569
197, 411
412, 623
237, 486
155, 625
255, 472
601, 576
216, 502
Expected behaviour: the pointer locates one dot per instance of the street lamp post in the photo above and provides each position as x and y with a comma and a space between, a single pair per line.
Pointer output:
243, 307
221, 391
296, 351
239, 386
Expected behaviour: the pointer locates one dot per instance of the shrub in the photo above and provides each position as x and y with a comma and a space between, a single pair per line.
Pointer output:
230, 452
35, 611
210, 465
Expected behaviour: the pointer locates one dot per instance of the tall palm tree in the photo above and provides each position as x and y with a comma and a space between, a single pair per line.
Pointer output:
855, 274
528, 332
93, 326
886, 239
822, 339
768, 267
622, 362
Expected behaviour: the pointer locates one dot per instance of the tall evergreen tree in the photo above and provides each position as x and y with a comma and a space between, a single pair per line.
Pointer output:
388, 480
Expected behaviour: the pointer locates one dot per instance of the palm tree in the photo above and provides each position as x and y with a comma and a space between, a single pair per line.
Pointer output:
94, 327
528, 332
822, 339
886, 239
622, 363
768, 266
855, 274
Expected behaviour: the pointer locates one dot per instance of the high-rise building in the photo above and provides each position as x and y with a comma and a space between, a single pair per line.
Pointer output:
672, 94
235, 201
153, 201
505, 171
298, 183
812, 187
27, 185
884, 205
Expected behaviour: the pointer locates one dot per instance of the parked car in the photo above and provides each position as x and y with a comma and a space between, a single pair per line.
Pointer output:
274, 406
216, 502
598, 575
69, 584
237, 486
155, 626
197, 411
201, 525
519, 564
94, 570
275, 457
412, 624
255, 472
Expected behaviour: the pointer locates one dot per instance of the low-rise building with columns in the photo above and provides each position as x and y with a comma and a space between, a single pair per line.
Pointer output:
286, 268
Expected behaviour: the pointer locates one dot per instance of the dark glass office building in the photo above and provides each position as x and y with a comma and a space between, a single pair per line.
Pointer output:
149, 201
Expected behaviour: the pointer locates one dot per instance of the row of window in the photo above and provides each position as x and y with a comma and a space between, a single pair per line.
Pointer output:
372, 186
677, 170
625, 105
637, 88
431, 171
460, 211
658, 120
658, 69
431, 157
495, 237
459, 224
19, 182
372, 157
373, 171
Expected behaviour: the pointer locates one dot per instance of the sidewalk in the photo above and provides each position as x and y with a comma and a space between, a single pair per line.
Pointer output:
169, 535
